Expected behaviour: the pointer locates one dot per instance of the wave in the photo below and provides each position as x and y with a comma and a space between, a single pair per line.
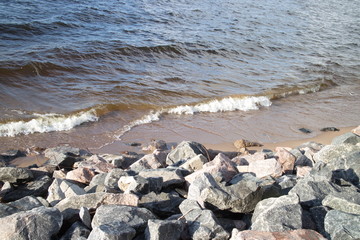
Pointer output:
49, 122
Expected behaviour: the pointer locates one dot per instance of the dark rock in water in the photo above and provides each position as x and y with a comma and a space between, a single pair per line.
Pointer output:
277, 214
62, 156
113, 231
134, 217
329, 129
164, 229
184, 151
349, 138
163, 205
13, 174
305, 130
134, 144
11, 155
340, 225
77, 231
318, 215
39, 223
37, 187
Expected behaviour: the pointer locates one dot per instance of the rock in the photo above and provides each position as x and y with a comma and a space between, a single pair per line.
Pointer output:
329, 129
356, 131
195, 163
267, 167
60, 189
286, 183
134, 184
171, 177
96, 164
311, 145
2, 162
121, 161
332, 153
37, 187
340, 225
134, 217
38, 223
98, 180
340, 204
114, 231
11, 155
318, 215
201, 224
150, 161
81, 175
163, 204
349, 138
221, 167
85, 217
14, 174
300, 234
305, 130
286, 159
230, 224
164, 229
62, 156
6, 210
77, 231
26, 203
59, 174
247, 159
156, 145
185, 151
112, 178
70, 206
277, 214
302, 171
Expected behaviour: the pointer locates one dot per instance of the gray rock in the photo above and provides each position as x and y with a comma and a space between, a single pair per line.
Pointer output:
155, 160
341, 204
85, 216
332, 153
201, 224
6, 210
134, 217
11, 155
171, 177
340, 225
37, 187
318, 215
312, 145
112, 178
39, 223
184, 151
98, 180
26, 203
164, 229
114, 231
195, 163
277, 214
134, 184
349, 138
77, 231
62, 156
121, 161
60, 189
162, 204
14, 174
286, 183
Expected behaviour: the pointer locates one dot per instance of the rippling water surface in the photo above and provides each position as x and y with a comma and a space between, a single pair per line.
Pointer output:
92, 71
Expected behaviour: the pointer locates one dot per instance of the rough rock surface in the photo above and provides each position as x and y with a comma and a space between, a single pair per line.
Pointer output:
185, 151
340, 225
62, 156
300, 234
60, 189
114, 231
267, 167
171, 177
12, 174
164, 229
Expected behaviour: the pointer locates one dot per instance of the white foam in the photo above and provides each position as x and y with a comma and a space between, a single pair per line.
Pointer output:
46, 123
224, 105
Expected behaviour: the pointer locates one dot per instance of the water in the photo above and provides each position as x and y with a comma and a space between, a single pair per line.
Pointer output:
99, 72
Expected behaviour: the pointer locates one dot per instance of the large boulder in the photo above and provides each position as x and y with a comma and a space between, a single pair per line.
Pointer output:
332, 153
150, 161
349, 138
300, 234
60, 189
277, 214
62, 156
195, 163
185, 151
39, 223
164, 229
14, 174
340, 225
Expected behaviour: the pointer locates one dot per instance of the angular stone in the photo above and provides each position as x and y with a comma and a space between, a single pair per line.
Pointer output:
164, 229
39, 223
221, 167
171, 177
156, 145
6, 210
340, 225
247, 159
332, 153
14, 174
201, 224
267, 167
134, 184
59, 174
302, 171
341, 204
134, 217
150, 161
350, 138
96, 164
277, 214
112, 178
300, 234
26, 203
195, 163
286, 159
82, 175
184, 151
60, 189
113, 231
77, 231
85, 216
121, 161
318, 215
356, 131
70, 206
286, 183
62, 156
98, 180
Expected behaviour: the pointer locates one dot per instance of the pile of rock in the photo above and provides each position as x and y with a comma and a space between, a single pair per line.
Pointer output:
189, 192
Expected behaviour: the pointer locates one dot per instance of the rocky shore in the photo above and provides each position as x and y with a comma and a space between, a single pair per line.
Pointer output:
186, 192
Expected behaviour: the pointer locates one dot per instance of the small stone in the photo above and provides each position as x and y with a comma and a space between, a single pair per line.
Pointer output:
329, 129
185, 151
112, 178
305, 130
60, 189
77, 231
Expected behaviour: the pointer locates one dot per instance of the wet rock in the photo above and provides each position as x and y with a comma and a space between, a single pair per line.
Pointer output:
163, 204
114, 231
60, 189
134, 217
221, 167
14, 174
303, 234
164, 229
185, 151
341, 204
195, 163
150, 161
201, 223
340, 225
70, 207
77, 231
267, 167
349, 138
305, 130
37, 187
277, 214
112, 178
62, 156
171, 177
286, 159
38, 223
329, 129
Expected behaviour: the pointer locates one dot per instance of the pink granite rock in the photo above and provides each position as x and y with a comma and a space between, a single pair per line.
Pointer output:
302, 171
221, 165
96, 164
267, 167
286, 159
83, 175
150, 161
247, 159
356, 131
299, 234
